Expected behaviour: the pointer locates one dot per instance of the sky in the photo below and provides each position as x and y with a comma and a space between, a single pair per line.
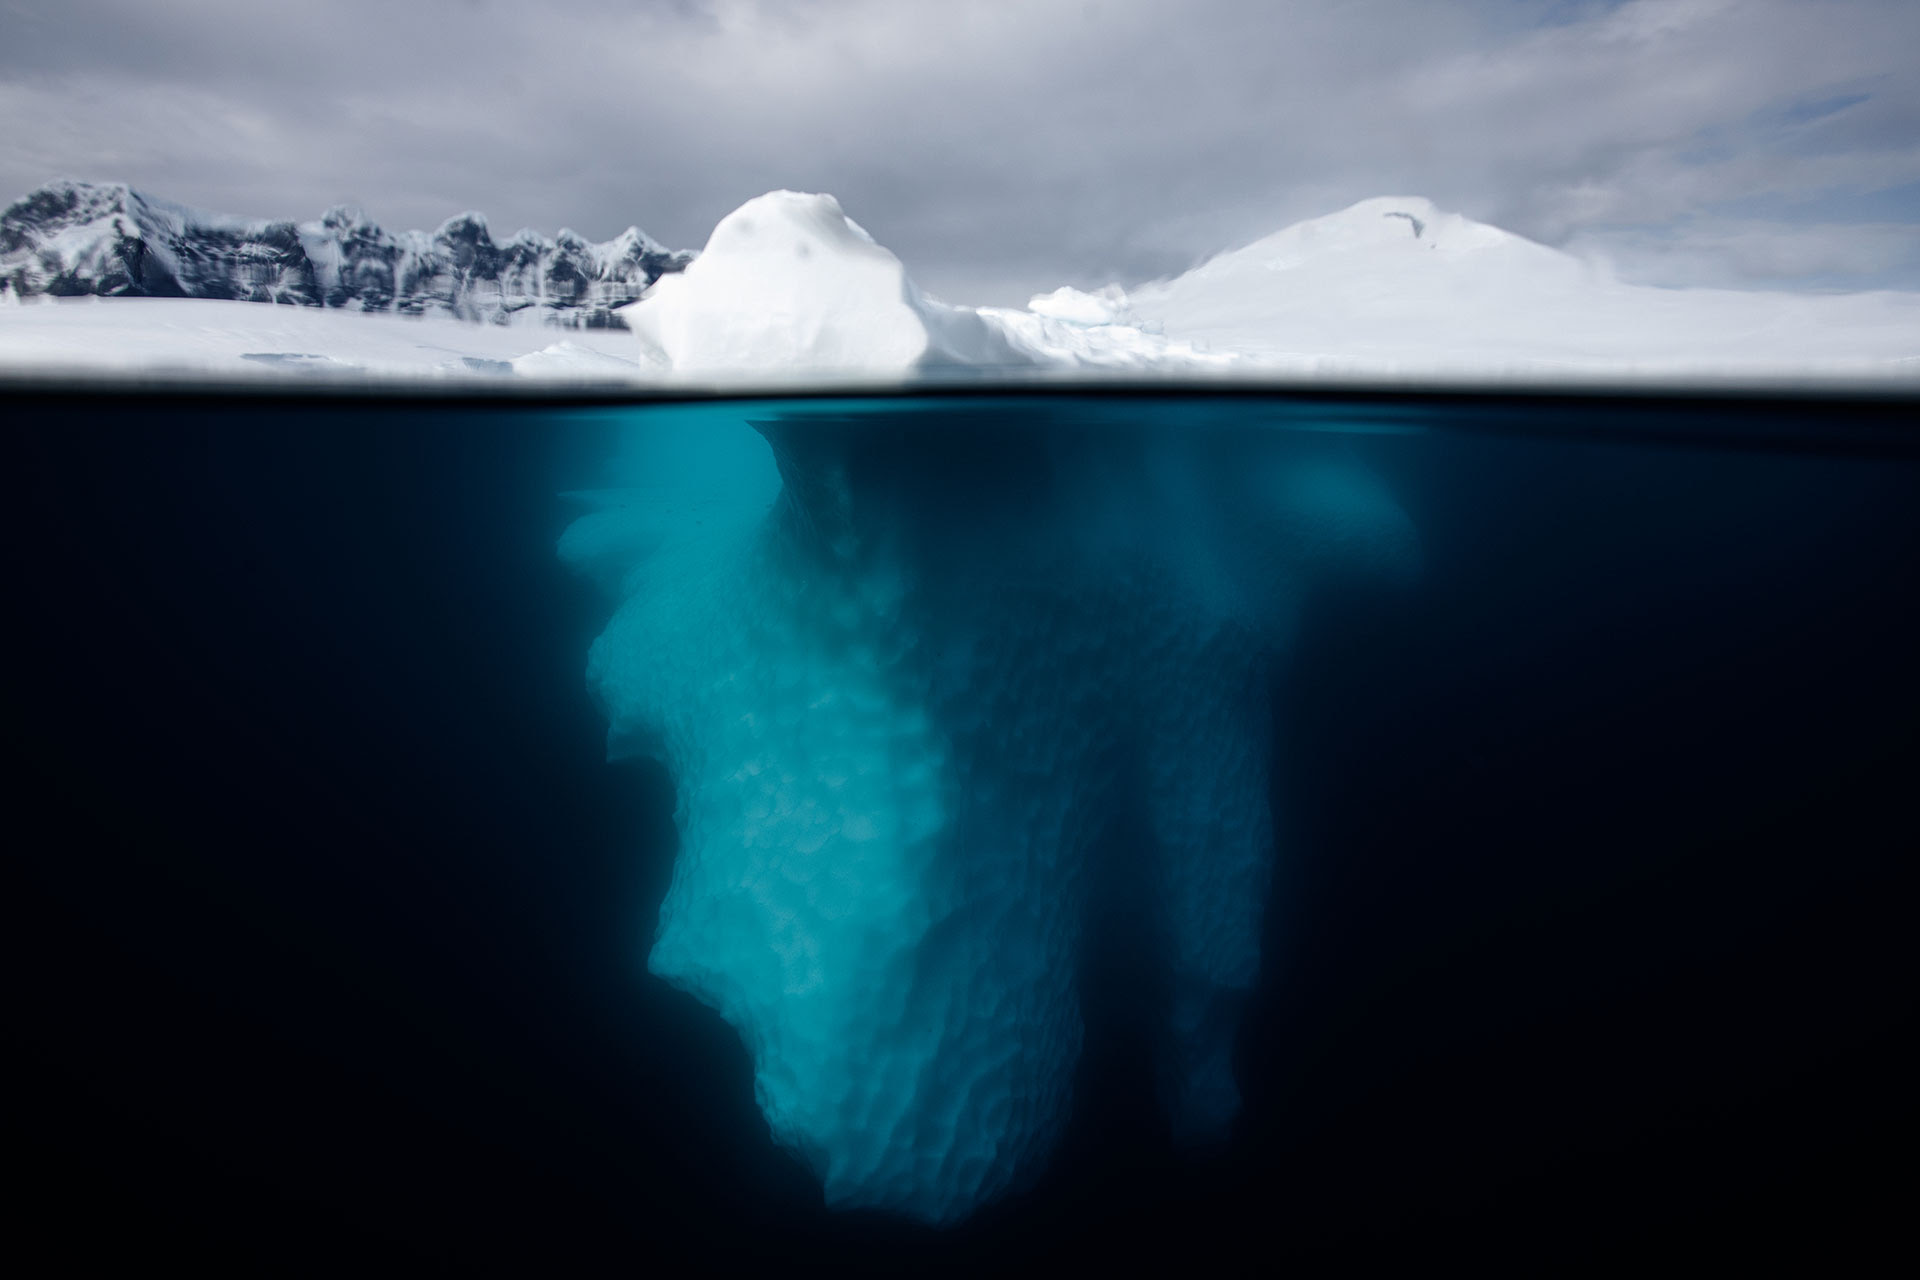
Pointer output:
1004, 147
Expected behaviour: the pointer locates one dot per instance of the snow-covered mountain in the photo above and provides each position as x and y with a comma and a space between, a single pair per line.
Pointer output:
75, 238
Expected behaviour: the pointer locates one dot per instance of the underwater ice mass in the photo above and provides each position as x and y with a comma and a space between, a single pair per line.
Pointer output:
903, 671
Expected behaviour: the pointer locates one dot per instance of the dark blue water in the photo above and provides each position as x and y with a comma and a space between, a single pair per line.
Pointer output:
1591, 936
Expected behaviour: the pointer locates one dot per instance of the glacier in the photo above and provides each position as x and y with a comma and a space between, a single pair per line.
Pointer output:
903, 668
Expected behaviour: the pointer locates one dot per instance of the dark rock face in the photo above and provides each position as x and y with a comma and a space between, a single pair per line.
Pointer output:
74, 238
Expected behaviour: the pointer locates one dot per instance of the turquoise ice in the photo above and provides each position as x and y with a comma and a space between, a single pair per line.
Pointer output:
903, 660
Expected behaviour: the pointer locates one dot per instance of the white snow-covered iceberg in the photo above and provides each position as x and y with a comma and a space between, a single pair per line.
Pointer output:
789, 285
1393, 287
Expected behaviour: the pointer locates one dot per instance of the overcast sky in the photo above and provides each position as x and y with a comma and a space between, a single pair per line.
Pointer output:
1007, 146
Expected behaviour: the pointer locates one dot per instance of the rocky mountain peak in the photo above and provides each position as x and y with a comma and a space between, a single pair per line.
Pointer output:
105, 239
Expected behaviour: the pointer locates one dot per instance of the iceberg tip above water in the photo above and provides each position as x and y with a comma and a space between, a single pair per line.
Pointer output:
789, 282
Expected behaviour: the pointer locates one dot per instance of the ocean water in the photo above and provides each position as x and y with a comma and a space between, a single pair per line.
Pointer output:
1589, 935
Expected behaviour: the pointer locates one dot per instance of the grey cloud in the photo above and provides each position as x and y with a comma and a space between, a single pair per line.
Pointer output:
1723, 251
1000, 148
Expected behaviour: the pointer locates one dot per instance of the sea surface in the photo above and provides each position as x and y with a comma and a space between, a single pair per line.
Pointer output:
1591, 936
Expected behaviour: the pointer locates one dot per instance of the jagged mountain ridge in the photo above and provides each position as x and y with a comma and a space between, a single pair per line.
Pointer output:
76, 238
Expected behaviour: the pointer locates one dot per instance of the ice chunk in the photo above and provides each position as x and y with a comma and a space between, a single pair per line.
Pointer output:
789, 281
1107, 305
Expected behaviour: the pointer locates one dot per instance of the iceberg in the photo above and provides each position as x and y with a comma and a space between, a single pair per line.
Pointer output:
789, 285
904, 669
790, 288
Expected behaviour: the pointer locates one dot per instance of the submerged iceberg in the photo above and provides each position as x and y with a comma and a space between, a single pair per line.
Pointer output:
905, 665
